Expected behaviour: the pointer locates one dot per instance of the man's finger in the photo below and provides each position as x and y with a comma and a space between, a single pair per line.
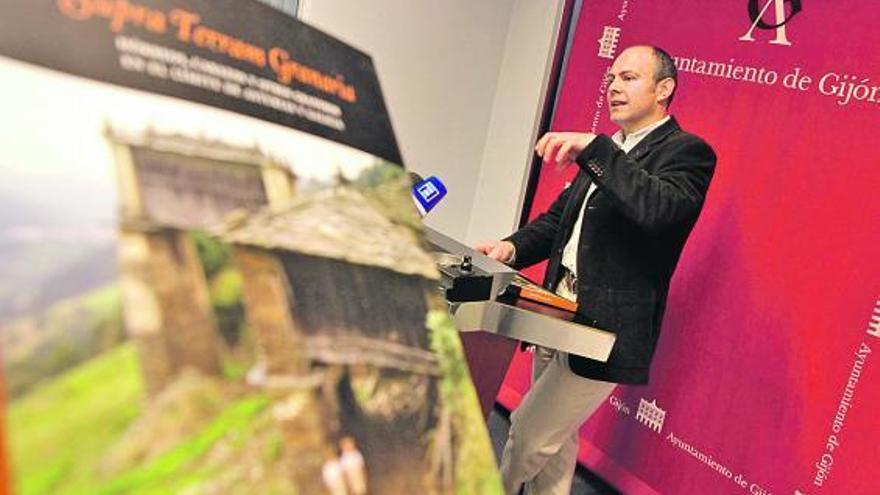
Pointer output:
542, 143
564, 150
552, 149
548, 144
483, 247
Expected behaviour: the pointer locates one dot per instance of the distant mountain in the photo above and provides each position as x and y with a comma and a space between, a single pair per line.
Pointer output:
95, 268
57, 239
36, 275
43, 343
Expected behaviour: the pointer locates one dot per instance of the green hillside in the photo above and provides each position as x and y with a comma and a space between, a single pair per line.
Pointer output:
39, 346
59, 429
88, 431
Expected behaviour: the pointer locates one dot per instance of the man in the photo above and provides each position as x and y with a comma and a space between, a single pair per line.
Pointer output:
613, 239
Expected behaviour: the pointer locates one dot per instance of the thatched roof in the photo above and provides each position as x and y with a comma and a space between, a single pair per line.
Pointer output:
338, 223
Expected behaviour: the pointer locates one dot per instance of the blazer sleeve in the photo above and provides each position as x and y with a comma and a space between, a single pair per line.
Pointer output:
534, 241
670, 196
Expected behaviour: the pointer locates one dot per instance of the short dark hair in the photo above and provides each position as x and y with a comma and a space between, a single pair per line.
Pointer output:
665, 69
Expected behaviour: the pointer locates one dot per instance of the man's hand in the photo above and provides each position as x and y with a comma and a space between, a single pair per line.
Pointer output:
502, 251
562, 148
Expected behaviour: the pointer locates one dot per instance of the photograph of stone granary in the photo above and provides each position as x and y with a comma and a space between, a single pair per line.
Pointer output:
198, 302
169, 186
340, 294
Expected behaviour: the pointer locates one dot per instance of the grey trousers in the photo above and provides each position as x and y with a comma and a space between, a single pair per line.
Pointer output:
542, 445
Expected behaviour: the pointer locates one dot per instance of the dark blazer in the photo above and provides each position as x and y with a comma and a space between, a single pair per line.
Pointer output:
634, 228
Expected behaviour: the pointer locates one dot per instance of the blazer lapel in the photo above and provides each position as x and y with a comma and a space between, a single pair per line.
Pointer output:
652, 139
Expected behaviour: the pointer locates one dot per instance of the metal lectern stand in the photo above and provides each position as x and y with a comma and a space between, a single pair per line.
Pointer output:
492, 320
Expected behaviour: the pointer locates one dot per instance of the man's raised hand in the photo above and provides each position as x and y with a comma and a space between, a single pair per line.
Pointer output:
561, 148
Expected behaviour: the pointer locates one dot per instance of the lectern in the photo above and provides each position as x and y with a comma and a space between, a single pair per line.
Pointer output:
494, 309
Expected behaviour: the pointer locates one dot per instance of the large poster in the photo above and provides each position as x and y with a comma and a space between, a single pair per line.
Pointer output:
765, 380
284, 72
212, 272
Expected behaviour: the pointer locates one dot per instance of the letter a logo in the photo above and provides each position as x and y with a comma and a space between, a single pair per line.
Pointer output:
757, 17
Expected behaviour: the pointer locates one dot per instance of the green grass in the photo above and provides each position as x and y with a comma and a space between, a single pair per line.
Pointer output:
169, 472
475, 470
59, 430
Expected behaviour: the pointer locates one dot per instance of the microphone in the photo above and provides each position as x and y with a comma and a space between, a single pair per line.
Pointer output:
427, 193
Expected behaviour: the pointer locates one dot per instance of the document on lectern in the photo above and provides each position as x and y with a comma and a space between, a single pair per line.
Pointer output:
524, 288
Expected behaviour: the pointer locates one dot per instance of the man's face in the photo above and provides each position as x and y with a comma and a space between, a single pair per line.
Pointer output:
633, 99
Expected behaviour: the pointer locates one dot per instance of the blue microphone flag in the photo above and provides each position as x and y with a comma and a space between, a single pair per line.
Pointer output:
427, 193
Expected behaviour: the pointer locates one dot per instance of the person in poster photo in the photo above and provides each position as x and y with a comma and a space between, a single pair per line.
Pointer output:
613, 239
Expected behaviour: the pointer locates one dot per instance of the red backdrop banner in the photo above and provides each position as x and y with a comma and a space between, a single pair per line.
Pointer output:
766, 376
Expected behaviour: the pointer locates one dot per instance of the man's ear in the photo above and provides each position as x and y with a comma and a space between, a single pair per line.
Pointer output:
665, 88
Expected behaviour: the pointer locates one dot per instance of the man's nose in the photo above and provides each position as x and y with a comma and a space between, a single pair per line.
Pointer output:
614, 87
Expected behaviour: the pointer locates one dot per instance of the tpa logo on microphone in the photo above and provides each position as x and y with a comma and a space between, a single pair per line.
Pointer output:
756, 15
427, 193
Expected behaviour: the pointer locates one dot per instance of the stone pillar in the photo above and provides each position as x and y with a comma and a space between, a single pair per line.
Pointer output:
178, 278
142, 313
301, 417
279, 184
167, 307
267, 304
300, 407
